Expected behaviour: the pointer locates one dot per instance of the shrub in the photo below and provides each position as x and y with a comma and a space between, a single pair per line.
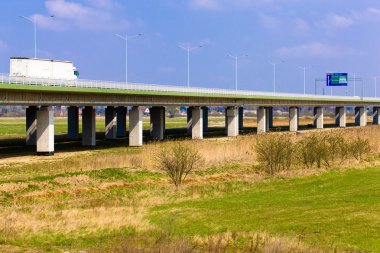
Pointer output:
178, 160
358, 147
306, 151
275, 151
324, 148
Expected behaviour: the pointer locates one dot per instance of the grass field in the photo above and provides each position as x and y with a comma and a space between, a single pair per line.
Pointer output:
336, 209
115, 199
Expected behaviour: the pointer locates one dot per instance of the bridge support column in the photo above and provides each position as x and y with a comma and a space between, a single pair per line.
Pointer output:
376, 116
241, 117
269, 118
360, 116
73, 123
232, 121
205, 118
31, 125
121, 121
261, 120
189, 120
293, 119
157, 122
197, 123
88, 126
135, 127
318, 117
45, 131
110, 123
340, 116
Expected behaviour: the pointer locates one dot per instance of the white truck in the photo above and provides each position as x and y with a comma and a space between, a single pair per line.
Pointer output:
42, 68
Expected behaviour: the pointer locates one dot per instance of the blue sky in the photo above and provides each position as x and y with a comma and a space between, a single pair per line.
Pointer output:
338, 35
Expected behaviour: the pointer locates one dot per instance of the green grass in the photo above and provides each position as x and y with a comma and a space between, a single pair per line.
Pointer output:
16, 126
335, 209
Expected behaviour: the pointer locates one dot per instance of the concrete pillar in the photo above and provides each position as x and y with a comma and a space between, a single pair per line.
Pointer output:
135, 127
241, 117
45, 131
189, 120
197, 123
293, 119
121, 121
261, 120
73, 122
376, 115
205, 118
318, 117
269, 118
157, 122
31, 125
340, 116
110, 123
232, 121
88, 126
360, 116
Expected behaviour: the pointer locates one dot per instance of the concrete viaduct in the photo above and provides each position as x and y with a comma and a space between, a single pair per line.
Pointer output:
40, 95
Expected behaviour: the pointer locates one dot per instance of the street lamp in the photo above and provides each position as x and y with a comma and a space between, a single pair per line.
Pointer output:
236, 57
304, 78
188, 49
34, 22
274, 74
126, 38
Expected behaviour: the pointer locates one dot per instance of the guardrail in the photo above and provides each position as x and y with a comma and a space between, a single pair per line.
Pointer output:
80, 83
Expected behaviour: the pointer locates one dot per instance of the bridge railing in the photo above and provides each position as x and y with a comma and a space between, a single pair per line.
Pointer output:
96, 84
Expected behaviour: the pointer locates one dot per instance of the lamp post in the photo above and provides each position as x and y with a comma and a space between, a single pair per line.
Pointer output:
236, 58
304, 78
274, 74
34, 22
188, 49
126, 38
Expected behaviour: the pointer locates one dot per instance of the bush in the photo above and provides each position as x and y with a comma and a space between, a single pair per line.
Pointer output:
325, 148
178, 160
278, 152
358, 147
309, 151
275, 151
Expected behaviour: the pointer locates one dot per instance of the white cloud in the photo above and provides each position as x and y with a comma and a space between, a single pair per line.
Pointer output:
368, 15
205, 4
108, 4
336, 21
316, 50
355, 17
68, 15
3, 46
269, 22
166, 69
301, 27
223, 4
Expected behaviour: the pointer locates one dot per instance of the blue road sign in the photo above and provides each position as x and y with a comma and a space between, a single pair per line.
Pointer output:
337, 79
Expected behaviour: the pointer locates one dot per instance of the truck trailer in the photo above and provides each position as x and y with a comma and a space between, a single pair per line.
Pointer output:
42, 68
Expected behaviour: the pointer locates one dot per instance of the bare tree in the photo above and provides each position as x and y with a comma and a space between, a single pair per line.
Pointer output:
178, 160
